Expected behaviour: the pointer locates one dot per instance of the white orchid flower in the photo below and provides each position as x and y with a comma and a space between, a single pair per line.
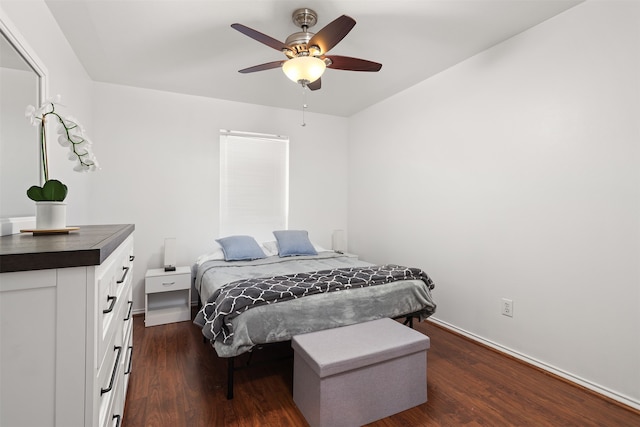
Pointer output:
63, 140
70, 134
30, 114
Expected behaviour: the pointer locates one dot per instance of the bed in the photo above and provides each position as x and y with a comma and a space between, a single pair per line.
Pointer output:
269, 322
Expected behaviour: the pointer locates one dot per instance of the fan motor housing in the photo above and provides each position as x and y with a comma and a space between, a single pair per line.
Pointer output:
298, 43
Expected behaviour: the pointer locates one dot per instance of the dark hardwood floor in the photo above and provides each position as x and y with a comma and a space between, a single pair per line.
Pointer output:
177, 380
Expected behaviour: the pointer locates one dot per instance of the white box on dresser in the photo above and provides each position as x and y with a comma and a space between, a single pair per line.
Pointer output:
66, 327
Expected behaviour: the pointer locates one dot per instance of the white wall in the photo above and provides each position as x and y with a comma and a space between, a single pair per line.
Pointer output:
159, 157
515, 174
68, 78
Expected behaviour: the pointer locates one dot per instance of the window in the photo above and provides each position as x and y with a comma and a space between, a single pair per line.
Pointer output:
254, 184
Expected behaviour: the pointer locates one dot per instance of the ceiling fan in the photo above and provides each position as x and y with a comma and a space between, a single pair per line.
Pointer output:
307, 52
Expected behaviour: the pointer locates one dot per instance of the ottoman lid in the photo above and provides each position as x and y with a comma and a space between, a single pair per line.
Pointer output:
332, 351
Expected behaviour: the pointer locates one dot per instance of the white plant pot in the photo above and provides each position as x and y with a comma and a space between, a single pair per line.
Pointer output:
51, 215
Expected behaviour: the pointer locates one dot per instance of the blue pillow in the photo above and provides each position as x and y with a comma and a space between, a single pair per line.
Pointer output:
294, 242
237, 248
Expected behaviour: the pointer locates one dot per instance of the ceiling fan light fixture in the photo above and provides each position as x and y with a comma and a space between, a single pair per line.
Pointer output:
304, 69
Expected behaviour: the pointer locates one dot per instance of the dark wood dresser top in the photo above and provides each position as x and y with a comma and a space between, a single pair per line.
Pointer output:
90, 245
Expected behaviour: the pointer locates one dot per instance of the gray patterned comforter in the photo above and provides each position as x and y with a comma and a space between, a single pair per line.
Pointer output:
279, 322
237, 297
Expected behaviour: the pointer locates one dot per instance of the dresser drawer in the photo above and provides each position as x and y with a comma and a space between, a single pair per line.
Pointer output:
111, 414
109, 377
114, 296
127, 333
114, 277
115, 331
167, 282
126, 368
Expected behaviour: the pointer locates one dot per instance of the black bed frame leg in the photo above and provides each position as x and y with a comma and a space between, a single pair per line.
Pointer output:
409, 321
230, 370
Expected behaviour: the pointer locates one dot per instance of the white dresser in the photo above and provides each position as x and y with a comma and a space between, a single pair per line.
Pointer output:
66, 327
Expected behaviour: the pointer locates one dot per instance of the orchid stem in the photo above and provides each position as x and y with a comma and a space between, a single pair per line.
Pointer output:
43, 150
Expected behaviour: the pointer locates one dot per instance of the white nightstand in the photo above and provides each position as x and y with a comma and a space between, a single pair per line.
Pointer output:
167, 296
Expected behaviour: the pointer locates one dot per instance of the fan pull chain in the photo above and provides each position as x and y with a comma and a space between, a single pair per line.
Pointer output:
304, 103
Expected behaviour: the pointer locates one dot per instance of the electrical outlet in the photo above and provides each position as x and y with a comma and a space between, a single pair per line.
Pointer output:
507, 307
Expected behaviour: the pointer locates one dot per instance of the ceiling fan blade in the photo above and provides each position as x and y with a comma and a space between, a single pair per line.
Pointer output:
262, 38
315, 85
352, 64
332, 33
262, 67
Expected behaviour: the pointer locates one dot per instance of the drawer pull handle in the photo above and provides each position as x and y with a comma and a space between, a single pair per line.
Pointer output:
168, 283
128, 371
113, 373
119, 419
126, 271
113, 304
132, 257
129, 313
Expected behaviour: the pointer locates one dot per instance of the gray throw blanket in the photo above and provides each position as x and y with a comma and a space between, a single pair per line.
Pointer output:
234, 298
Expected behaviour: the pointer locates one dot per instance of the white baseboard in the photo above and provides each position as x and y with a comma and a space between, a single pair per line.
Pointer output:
626, 400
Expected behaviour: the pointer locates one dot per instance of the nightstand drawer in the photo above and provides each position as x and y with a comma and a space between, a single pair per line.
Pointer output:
166, 283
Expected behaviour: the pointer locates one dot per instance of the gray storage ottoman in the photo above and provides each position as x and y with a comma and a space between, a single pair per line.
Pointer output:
358, 374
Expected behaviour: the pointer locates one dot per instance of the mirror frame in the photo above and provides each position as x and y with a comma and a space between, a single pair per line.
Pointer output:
10, 32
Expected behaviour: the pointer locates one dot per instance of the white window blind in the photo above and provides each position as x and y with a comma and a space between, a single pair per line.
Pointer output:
254, 184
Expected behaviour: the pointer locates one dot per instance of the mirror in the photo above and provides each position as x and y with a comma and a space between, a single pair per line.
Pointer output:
22, 82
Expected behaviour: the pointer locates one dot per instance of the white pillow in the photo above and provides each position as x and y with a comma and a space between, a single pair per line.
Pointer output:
319, 248
216, 255
270, 248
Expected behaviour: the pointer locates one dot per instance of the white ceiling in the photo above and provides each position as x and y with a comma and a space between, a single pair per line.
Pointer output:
189, 47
